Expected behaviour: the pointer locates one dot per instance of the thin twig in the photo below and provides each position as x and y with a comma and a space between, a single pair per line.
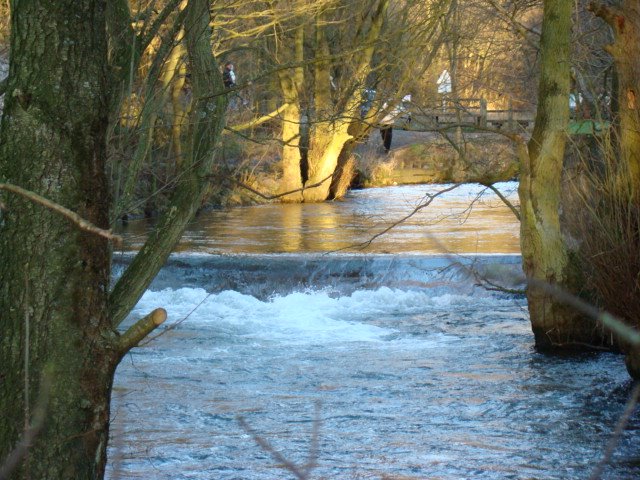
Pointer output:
615, 438
267, 447
312, 461
504, 200
174, 325
65, 212
426, 203
284, 194
14, 458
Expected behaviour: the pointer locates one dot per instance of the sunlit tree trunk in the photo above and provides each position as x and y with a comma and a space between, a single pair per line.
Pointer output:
547, 258
329, 123
291, 84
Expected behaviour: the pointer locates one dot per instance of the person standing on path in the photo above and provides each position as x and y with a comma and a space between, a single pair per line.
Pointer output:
229, 75
229, 81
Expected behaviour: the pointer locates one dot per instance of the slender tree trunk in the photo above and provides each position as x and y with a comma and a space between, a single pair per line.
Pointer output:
547, 259
200, 149
53, 277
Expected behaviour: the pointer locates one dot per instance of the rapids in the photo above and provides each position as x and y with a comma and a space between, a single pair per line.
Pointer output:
387, 362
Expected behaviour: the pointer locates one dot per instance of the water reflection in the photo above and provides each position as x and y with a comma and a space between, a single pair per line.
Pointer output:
465, 220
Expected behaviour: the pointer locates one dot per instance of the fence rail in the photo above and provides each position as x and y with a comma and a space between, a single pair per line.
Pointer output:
471, 112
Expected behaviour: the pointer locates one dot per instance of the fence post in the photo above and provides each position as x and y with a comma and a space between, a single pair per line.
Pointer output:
510, 125
483, 113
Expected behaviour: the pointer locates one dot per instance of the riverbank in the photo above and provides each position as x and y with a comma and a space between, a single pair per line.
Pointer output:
428, 157
414, 158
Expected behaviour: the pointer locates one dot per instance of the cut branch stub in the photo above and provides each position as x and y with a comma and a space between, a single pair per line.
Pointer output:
139, 330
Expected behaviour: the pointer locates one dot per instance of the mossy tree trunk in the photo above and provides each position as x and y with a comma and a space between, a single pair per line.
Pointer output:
59, 346
547, 257
53, 277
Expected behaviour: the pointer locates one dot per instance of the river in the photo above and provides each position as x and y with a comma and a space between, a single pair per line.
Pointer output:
381, 359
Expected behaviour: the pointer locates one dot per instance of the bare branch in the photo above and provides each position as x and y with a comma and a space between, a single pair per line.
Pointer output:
505, 200
279, 195
267, 447
190, 191
147, 36
522, 30
490, 285
65, 212
426, 203
141, 329
176, 324
312, 461
258, 121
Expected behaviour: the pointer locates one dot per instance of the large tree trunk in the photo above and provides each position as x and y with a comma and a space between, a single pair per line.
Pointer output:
336, 109
53, 277
326, 143
59, 345
547, 259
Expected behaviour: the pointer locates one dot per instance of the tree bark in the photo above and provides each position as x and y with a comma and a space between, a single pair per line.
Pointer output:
54, 277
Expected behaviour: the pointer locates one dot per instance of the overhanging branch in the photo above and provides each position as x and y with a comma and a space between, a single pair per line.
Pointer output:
258, 121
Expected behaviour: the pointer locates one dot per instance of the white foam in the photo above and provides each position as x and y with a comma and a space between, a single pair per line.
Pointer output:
300, 317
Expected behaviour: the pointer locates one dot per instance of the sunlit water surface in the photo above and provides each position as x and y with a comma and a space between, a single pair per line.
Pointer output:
467, 219
396, 366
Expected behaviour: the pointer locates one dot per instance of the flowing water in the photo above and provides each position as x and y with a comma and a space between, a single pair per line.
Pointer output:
381, 362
